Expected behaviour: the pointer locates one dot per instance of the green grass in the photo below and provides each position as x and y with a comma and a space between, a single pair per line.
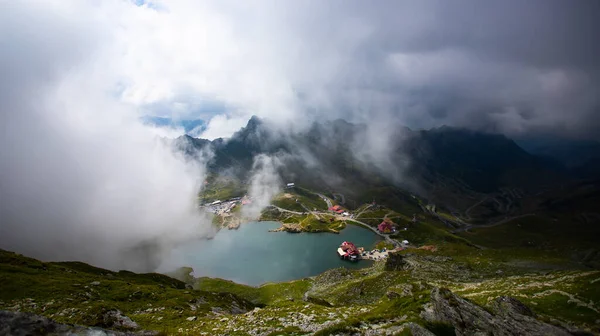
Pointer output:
307, 223
310, 199
505, 266
299, 197
393, 198
322, 224
69, 292
288, 204
220, 188
429, 232
384, 244
266, 294
537, 232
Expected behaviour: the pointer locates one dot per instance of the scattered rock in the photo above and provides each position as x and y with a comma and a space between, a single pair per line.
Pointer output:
417, 330
21, 324
115, 319
392, 295
319, 301
95, 283
508, 317
192, 318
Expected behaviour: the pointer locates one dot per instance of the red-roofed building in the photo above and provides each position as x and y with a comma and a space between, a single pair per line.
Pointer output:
347, 250
385, 227
337, 209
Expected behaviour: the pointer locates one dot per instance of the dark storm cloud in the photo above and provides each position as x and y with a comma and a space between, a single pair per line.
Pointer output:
511, 66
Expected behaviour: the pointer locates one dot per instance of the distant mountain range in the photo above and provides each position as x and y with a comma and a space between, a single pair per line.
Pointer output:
580, 157
451, 167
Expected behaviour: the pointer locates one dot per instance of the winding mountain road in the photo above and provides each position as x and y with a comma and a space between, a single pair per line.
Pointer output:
327, 200
285, 210
386, 237
500, 222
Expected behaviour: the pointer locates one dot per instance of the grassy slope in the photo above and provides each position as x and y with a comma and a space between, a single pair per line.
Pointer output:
221, 188
304, 196
74, 292
293, 199
541, 275
338, 299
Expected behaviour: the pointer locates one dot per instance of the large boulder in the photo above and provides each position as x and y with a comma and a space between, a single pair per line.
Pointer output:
507, 316
114, 319
22, 324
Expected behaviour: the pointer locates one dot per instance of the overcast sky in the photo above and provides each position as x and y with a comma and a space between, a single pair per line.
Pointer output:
77, 75
504, 66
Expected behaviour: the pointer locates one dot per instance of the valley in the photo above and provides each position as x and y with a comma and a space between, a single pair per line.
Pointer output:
462, 256
299, 168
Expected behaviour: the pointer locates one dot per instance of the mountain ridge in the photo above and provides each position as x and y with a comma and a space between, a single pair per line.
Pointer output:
450, 167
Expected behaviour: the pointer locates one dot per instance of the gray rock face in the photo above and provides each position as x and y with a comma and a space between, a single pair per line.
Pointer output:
417, 330
508, 316
22, 324
395, 262
116, 319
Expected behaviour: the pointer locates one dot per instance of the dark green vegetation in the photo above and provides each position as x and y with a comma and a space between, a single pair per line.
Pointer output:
305, 222
389, 297
221, 188
476, 175
488, 220
301, 210
78, 293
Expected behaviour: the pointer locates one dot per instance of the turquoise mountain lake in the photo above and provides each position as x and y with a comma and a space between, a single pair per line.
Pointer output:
251, 255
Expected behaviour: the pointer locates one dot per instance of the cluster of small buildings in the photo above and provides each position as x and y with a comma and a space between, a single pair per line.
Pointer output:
223, 207
339, 210
348, 251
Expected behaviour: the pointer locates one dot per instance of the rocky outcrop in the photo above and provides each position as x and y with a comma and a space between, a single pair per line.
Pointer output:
416, 330
21, 324
288, 227
395, 262
115, 319
506, 316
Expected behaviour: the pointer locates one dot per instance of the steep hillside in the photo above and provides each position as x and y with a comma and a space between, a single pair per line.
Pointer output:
456, 290
476, 176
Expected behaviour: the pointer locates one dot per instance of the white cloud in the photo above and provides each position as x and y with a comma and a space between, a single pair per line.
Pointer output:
308, 61
221, 126
81, 178
76, 75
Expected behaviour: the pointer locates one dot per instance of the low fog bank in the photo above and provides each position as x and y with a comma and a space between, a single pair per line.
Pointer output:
80, 177
264, 184
105, 191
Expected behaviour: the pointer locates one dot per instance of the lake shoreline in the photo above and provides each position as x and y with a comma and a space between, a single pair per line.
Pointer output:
251, 255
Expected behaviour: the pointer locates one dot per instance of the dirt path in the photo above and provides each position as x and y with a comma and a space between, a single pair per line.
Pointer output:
285, 210
327, 200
